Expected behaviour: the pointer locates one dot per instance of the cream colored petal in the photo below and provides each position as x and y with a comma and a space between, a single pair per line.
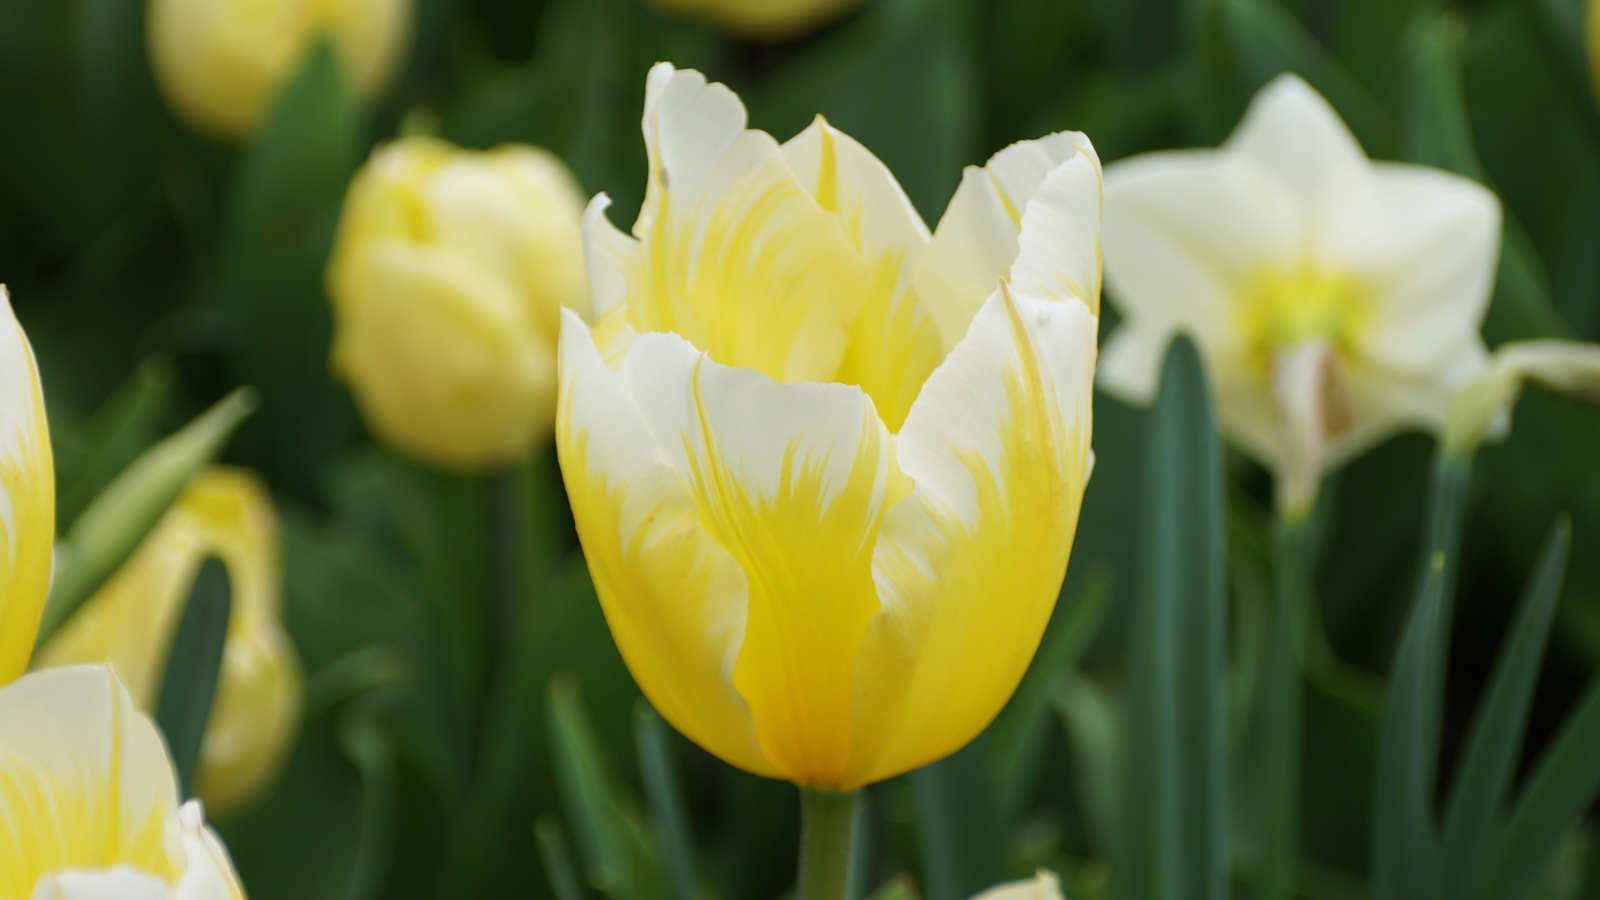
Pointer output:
119, 883
674, 599
1184, 232
27, 497
208, 871
976, 241
1291, 131
893, 343
1058, 255
612, 259
792, 480
969, 565
1042, 886
737, 257
85, 781
1426, 243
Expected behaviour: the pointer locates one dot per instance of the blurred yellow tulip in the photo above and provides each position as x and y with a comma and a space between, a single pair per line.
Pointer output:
447, 281
761, 20
1336, 300
88, 800
827, 467
131, 620
220, 63
28, 482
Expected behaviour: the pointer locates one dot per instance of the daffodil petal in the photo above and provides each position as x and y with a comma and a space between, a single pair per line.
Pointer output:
674, 599
969, 565
27, 497
976, 241
1292, 132
85, 782
893, 343
739, 258
1428, 241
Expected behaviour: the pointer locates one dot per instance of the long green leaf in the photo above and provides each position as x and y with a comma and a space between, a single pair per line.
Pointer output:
370, 750
1176, 780
659, 771
122, 428
1489, 763
557, 859
586, 788
189, 684
958, 830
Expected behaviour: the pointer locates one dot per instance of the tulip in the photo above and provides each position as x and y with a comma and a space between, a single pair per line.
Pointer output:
826, 468
447, 280
1042, 886
131, 620
760, 20
89, 802
28, 490
1335, 300
220, 63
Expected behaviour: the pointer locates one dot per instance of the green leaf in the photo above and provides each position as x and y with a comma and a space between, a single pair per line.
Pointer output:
1495, 741
557, 859
365, 744
1091, 719
113, 526
1016, 739
284, 209
189, 683
958, 831
1175, 786
658, 769
90, 456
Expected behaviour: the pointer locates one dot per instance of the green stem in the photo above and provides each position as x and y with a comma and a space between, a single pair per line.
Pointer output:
1281, 688
827, 835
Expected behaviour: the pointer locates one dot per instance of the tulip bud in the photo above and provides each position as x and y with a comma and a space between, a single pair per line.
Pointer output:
760, 20
447, 282
220, 63
1482, 409
131, 620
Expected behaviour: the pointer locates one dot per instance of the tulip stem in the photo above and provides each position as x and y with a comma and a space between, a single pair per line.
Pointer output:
827, 834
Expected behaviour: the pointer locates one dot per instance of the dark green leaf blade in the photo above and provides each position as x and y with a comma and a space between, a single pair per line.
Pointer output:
659, 771
189, 684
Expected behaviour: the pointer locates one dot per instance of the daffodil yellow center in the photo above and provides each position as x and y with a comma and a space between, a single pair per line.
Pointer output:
1281, 308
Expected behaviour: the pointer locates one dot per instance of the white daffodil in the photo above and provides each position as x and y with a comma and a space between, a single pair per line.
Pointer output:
88, 801
1336, 300
827, 467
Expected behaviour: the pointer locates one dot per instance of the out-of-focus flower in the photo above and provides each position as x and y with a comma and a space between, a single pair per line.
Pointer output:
88, 800
1594, 43
827, 469
1042, 886
220, 63
1482, 409
1336, 300
131, 620
447, 280
28, 483
760, 20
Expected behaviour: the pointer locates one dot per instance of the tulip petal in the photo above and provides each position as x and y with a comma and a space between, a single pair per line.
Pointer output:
968, 567
793, 481
612, 259
120, 883
894, 345
976, 241
85, 782
673, 598
208, 870
1058, 248
1427, 242
740, 259
27, 497
1293, 132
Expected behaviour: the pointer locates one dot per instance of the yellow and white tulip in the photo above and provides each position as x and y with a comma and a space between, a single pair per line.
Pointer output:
221, 63
447, 281
28, 516
131, 620
827, 467
1336, 300
762, 20
89, 803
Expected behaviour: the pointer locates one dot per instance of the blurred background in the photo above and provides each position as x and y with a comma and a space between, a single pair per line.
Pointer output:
155, 269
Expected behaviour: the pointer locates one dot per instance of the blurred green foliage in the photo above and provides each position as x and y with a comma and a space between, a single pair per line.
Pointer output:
439, 758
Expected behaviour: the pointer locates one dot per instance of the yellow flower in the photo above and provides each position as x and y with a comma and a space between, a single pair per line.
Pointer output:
1335, 300
88, 801
28, 516
826, 468
130, 623
762, 20
1042, 886
447, 281
220, 63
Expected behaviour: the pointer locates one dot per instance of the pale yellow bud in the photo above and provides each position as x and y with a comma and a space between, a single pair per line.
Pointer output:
130, 623
220, 63
1482, 409
761, 20
447, 281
